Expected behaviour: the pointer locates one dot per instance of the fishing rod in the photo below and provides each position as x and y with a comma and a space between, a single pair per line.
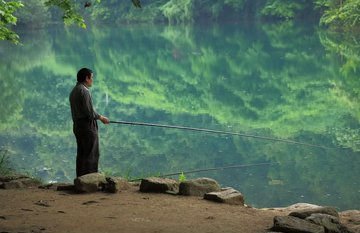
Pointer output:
212, 169
219, 132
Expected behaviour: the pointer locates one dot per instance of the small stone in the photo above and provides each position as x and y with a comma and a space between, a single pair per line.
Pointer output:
198, 187
58, 186
90, 202
65, 187
228, 196
158, 185
42, 203
27, 209
116, 184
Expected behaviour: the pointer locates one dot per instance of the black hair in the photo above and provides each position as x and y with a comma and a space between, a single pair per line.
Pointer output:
83, 73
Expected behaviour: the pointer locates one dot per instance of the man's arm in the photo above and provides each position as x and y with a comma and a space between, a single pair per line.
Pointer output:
91, 110
104, 120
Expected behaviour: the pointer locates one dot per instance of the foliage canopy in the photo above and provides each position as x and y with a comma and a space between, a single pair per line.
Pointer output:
337, 14
7, 18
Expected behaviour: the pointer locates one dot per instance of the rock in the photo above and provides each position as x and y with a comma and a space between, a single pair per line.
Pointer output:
294, 207
351, 219
229, 196
198, 187
90, 182
21, 182
30, 182
158, 185
13, 184
293, 224
47, 186
321, 218
58, 186
318, 210
330, 223
12, 177
42, 203
351, 216
301, 206
65, 187
116, 184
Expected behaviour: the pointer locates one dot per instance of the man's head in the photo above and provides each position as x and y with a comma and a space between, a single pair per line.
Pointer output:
85, 75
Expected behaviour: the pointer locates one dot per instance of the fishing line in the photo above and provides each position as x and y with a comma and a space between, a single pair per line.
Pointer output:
219, 132
212, 169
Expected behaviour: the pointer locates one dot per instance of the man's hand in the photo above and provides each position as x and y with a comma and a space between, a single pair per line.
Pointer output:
104, 120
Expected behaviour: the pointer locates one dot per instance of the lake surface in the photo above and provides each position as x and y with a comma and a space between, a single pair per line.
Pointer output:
276, 81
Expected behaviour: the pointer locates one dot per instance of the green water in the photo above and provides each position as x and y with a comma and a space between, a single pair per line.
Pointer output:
282, 81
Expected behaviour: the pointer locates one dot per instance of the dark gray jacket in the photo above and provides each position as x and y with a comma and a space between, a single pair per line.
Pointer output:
81, 104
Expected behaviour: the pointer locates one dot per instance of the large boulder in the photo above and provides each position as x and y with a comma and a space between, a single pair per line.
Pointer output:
198, 187
293, 224
228, 196
327, 218
158, 185
90, 182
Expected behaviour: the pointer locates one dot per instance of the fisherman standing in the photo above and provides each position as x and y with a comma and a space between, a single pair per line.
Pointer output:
85, 125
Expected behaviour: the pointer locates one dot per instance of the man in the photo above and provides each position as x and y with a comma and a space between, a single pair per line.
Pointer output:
85, 125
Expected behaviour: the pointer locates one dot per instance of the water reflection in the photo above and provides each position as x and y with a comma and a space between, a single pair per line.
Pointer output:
275, 81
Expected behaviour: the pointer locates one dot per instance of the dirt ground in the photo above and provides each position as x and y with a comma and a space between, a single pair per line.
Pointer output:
42, 210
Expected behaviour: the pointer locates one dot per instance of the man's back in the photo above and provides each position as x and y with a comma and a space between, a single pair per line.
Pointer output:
81, 104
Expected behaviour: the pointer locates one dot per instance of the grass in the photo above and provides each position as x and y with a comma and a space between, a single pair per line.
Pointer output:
5, 168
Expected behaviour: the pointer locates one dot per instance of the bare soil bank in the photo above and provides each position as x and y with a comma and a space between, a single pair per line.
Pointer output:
41, 210
48, 211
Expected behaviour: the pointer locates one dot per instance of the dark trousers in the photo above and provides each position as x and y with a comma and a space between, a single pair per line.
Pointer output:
87, 159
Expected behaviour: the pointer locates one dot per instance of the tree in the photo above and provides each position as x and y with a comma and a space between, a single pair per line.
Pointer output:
71, 12
340, 14
69, 8
7, 19
337, 14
